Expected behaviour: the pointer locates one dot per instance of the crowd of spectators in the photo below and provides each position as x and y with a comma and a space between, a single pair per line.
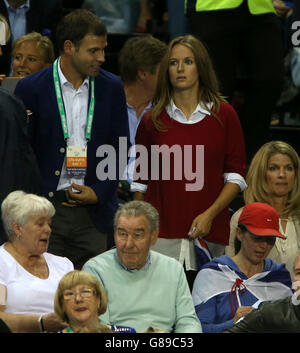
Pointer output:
83, 227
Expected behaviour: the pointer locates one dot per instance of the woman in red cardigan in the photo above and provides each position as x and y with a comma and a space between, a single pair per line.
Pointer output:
202, 165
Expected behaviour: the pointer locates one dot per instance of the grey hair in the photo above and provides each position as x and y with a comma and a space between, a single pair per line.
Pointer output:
19, 207
138, 208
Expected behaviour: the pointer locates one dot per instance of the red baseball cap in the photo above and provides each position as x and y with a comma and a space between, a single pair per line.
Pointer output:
261, 219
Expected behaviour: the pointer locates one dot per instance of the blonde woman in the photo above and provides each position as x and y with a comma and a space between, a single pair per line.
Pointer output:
189, 113
80, 299
273, 178
31, 53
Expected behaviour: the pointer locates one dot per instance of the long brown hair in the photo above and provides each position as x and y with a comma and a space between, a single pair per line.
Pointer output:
208, 84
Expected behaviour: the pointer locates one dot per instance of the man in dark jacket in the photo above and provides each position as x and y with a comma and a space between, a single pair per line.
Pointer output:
18, 169
280, 316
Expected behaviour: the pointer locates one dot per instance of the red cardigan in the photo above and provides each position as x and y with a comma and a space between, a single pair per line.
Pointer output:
224, 152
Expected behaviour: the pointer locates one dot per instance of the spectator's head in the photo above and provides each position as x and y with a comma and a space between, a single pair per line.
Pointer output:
258, 227
4, 32
139, 59
27, 219
273, 174
82, 38
186, 66
80, 299
136, 225
31, 53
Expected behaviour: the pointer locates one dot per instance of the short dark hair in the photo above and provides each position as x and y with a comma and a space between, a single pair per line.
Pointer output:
76, 25
140, 53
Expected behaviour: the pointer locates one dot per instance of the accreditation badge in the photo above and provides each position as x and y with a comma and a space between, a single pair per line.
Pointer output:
76, 161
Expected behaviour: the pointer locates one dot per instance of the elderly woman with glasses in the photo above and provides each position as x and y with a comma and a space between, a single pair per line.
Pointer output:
29, 275
80, 299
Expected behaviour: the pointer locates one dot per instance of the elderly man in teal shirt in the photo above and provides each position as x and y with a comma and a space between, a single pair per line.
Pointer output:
145, 289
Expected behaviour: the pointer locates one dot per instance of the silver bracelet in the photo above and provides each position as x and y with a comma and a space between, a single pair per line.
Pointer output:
41, 323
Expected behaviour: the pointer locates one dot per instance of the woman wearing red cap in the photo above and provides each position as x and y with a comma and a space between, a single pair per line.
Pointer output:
274, 178
226, 288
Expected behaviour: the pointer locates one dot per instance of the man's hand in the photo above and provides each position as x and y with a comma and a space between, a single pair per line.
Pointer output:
85, 196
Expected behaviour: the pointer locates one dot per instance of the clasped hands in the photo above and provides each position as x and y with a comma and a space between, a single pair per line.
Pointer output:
85, 195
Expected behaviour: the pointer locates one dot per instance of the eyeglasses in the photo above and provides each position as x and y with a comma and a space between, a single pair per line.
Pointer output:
84, 293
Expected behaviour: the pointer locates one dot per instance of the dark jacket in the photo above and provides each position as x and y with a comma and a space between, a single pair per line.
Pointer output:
280, 316
110, 122
19, 170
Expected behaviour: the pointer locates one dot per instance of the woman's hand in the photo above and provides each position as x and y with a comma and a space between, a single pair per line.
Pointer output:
201, 225
52, 323
241, 312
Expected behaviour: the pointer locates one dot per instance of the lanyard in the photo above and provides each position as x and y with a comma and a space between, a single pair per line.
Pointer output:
61, 107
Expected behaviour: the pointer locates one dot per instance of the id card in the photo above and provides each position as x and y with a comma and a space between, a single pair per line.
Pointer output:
76, 161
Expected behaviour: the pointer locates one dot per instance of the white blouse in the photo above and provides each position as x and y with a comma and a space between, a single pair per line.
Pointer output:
284, 251
26, 293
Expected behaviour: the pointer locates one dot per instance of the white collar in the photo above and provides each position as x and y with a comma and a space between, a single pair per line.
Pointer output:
175, 113
64, 81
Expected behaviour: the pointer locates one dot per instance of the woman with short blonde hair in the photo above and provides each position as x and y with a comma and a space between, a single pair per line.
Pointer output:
31, 53
43, 44
72, 279
80, 299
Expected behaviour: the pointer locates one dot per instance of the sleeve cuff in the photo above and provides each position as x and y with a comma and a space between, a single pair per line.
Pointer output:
134, 187
235, 178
